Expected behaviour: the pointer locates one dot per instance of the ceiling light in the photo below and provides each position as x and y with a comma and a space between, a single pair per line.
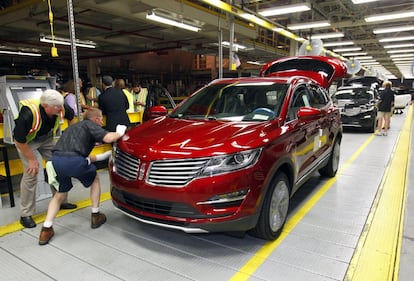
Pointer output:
402, 56
256, 62
363, 58
235, 45
328, 35
347, 49
281, 10
365, 61
390, 16
363, 1
254, 19
19, 53
392, 39
400, 51
399, 46
393, 29
338, 43
354, 54
402, 59
174, 22
65, 41
308, 25
370, 63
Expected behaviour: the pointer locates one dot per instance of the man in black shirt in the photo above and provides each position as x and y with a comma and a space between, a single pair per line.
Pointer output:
113, 104
35, 128
71, 159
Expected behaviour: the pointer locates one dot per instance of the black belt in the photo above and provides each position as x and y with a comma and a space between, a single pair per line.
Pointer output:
66, 153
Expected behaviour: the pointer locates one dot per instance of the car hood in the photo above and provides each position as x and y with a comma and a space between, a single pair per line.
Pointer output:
352, 102
183, 138
324, 70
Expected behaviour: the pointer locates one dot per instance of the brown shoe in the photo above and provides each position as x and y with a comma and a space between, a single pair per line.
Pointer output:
97, 219
45, 235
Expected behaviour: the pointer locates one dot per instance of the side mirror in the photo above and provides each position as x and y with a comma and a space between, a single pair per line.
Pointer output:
155, 111
307, 113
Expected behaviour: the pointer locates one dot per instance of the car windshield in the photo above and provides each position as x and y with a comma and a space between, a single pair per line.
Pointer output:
258, 101
354, 94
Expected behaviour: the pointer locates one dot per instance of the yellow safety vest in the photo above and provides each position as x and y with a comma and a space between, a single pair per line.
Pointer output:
33, 105
130, 98
93, 93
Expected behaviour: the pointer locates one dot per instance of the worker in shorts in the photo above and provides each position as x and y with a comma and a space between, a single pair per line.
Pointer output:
71, 159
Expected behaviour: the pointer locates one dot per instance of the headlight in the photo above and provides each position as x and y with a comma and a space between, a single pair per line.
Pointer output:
232, 162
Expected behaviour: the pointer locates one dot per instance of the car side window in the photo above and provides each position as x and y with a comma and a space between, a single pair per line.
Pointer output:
318, 98
300, 99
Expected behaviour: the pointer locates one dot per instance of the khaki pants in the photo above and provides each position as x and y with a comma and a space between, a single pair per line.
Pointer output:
28, 182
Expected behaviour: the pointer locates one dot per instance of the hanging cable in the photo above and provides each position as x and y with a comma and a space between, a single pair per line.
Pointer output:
53, 50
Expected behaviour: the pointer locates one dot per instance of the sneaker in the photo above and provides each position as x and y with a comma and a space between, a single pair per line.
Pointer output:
378, 134
384, 134
45, 235
97, 219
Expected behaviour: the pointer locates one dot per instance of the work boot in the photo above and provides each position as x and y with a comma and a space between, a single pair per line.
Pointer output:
97, 219
27, 222
68, 206
45, 235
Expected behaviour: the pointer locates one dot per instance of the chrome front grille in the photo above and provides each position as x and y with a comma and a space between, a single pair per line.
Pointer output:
175, 173
126, 165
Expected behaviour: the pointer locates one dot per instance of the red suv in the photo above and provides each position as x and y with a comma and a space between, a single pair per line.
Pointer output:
232, 154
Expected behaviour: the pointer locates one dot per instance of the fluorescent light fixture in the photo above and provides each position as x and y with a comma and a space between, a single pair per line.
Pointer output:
366, 61
393, 29
338, 43
256, 62
347, 49
174, 22
308, 25
288, 9
390, 16
363, 58
354, 54
400, 51
253, 19
327, 35
363, 1
392, 39
65, 41
403, 59
235, 45
19, 53
399, 46
370, 63
402, 56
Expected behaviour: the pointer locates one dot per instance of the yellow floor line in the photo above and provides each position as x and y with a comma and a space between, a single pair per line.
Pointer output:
263, 253
376, 256
40, 218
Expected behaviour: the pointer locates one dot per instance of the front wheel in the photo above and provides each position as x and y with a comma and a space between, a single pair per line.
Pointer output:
274, 210
333, 163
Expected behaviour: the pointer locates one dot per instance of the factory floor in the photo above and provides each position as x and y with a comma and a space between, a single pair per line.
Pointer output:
356, 226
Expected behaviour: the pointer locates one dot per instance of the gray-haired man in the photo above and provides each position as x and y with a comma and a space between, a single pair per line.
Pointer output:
35, 128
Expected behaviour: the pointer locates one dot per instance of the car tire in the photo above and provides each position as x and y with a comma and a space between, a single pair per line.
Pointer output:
371, 128
333, 163
274, 209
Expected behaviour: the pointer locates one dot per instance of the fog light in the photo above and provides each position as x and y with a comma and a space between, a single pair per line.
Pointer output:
227, 197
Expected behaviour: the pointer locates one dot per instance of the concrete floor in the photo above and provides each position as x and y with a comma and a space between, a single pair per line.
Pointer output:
325, 223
